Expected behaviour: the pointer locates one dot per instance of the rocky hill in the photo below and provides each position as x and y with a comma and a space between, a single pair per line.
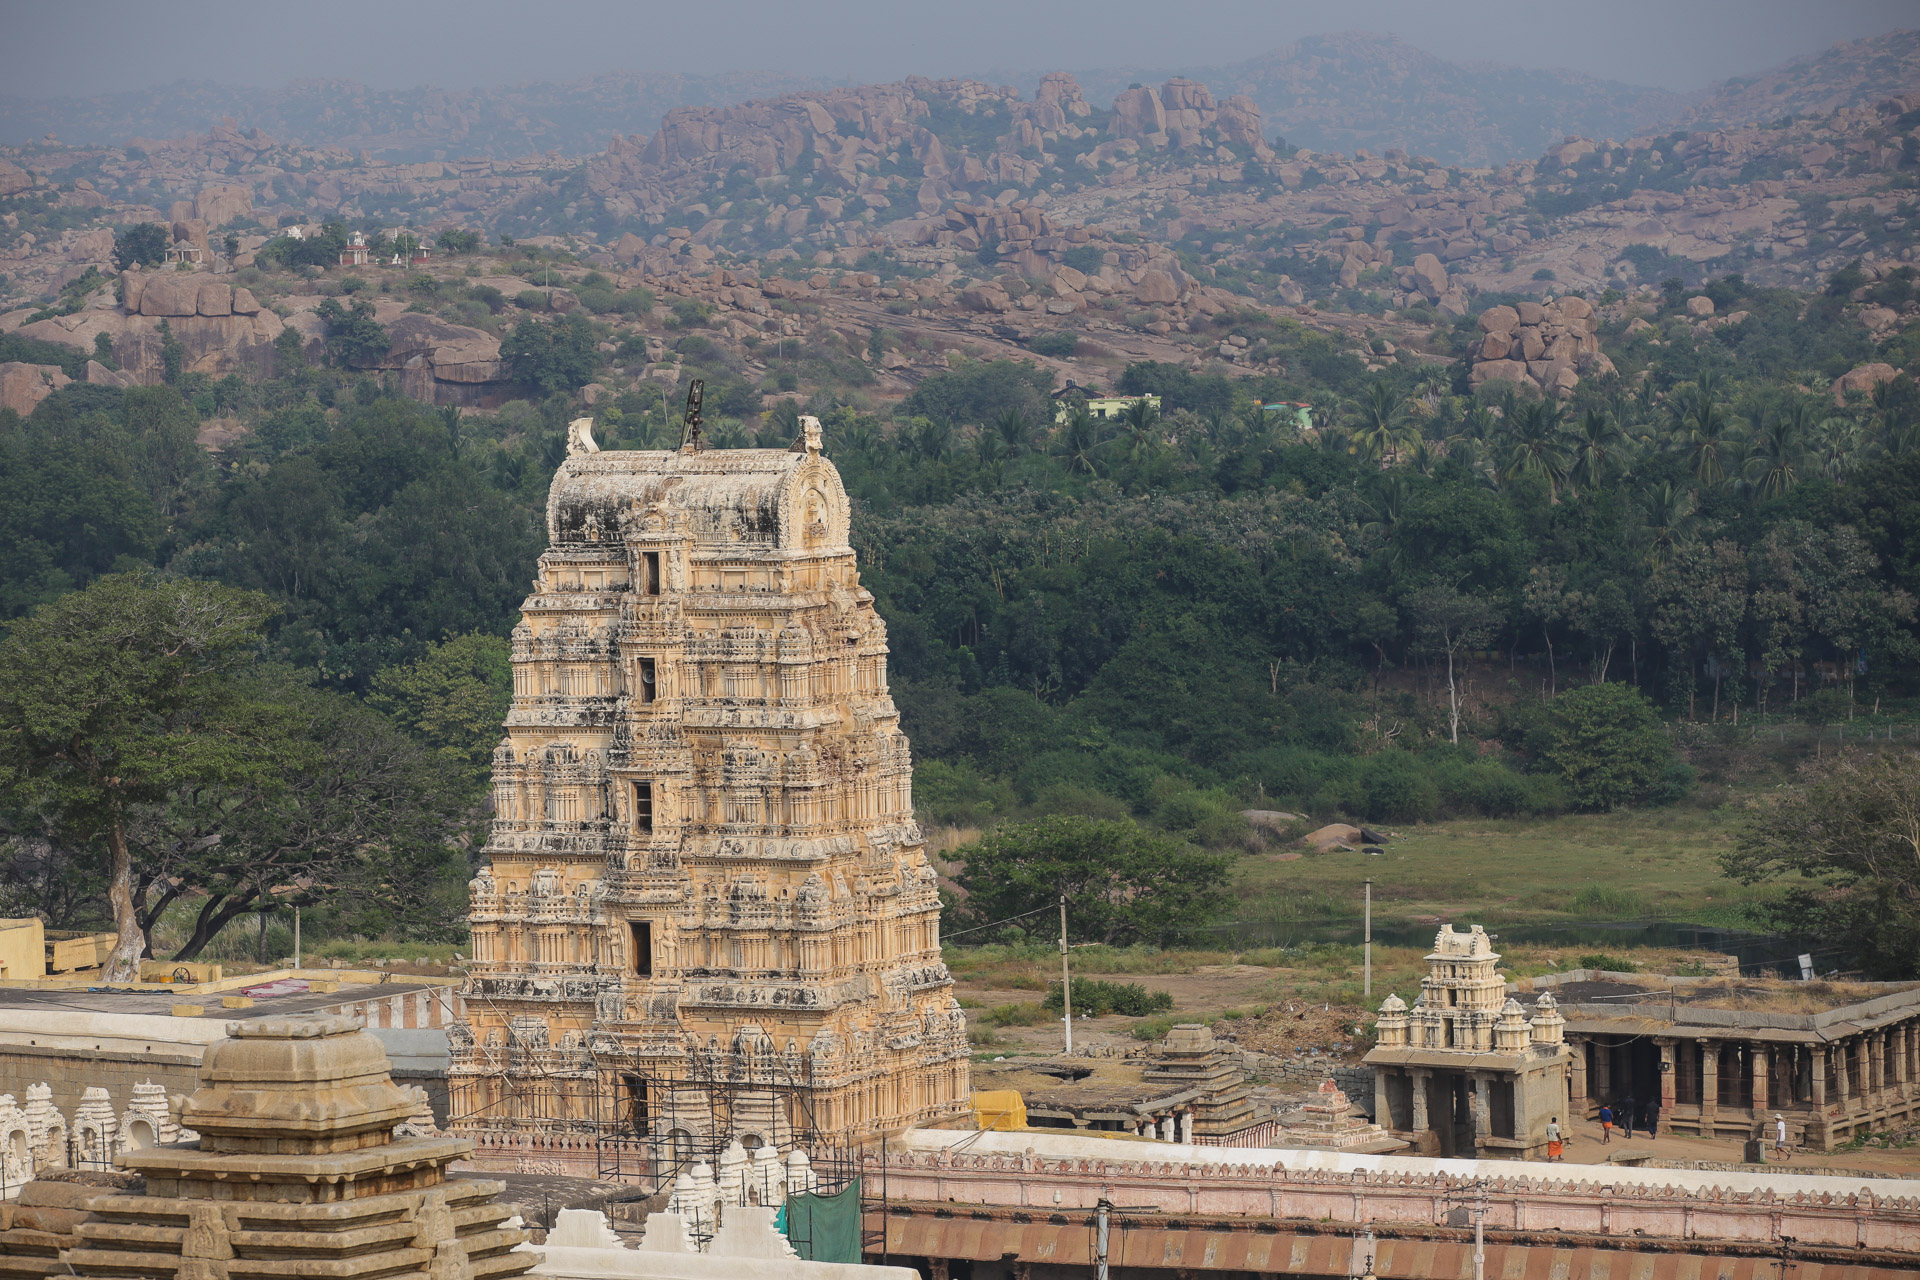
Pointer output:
423, 123
1344, 92
1358, 90
1854, 74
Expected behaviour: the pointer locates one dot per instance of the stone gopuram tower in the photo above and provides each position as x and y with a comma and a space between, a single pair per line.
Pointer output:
707, 916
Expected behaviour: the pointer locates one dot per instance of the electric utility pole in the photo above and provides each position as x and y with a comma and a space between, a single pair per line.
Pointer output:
1367, 981
1066, 979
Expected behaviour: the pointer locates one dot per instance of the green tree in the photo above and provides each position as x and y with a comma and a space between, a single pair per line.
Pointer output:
454, 697
558, 358
114, 697
1123, 883
354, 337
1700, 599
1452, 623
351, 812
1846, 843
1608, 745
144, 243
173, 355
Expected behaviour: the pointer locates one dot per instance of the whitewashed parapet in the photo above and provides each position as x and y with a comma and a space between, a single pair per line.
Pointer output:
1670, 1204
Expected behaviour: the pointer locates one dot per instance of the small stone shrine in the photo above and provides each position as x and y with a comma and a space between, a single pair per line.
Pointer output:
1465, 1072
297, 1172
1329, 1122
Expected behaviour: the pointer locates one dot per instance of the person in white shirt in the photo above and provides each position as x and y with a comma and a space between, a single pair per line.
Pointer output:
1779, 1134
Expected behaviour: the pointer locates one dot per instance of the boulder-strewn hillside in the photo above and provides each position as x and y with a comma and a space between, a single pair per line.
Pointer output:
1853, 74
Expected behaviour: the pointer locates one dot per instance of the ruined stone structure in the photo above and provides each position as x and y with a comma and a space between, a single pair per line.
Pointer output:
707, 913
1465, 1071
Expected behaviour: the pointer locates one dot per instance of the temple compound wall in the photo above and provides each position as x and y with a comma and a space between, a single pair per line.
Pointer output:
707, 913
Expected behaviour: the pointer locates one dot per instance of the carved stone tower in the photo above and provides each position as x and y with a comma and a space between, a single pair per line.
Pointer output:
708, 914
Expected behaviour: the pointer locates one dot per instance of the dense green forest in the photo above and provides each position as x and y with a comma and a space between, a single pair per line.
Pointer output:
1168, 618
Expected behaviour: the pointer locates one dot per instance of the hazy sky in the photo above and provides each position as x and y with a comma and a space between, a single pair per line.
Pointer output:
95, 46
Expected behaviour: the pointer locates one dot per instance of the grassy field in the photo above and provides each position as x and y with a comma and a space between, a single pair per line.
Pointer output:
1656, 864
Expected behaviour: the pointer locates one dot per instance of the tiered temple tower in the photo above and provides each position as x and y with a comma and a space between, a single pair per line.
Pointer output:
708, 914
1465, 1071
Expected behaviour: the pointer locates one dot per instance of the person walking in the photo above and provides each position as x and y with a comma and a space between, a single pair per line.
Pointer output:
1779, 1135
1626, 1117
1555, 1149
1606, 1125
1653, 1117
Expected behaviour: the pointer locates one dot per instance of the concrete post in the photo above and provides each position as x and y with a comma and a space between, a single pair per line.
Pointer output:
1669, 1070
1709, 1086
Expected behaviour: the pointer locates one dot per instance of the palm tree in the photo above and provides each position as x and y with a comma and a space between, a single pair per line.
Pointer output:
1668, 513
1777, 449
1079, 442
1599, 450
1013, 429
1888, 415
1381, 505
1139, 430
1381, 430
1535, 444
1836, 447
1710, 438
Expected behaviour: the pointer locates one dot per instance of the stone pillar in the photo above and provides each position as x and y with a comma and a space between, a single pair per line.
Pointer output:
1183, 1125
1421, 1123
1482, 1109
1842, 1075
1762, 1074
1817, 1059
1602, 1069
1876, 1066
1166, 1128
1709, 1085
1903, 1066
1577, 1080
1669, 1068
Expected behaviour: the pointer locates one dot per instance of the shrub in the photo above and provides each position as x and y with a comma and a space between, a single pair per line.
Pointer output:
1604, 902
1095, 998
1608, 745
1601, 960
1057, 345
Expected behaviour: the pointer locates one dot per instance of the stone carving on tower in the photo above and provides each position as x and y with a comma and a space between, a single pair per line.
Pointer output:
707, 914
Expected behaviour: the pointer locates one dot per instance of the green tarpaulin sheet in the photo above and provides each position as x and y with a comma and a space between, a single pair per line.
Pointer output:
824, 1228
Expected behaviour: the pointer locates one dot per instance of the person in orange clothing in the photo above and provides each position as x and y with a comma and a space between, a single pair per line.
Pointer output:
1606, 1125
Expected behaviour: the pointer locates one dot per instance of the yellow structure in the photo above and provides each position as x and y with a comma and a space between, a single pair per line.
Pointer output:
1105, 407
1001, 1109
23, 948
707, 914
